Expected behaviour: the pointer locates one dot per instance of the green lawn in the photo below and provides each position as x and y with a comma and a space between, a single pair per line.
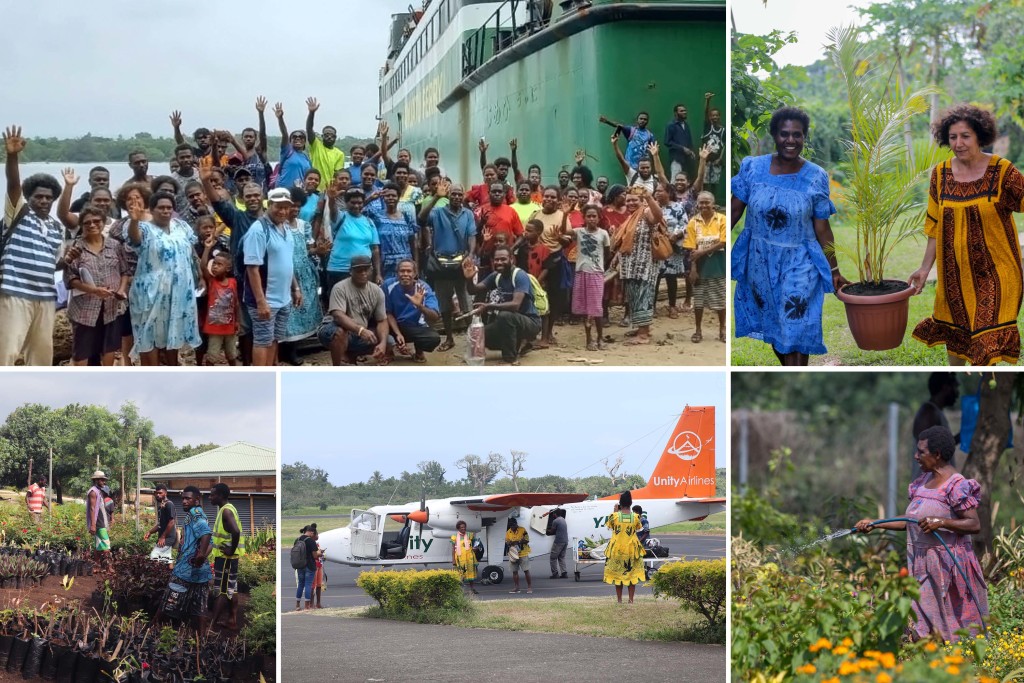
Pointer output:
842, 350
714, 525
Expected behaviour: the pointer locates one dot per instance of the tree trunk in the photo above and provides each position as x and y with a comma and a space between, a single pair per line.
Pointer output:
908, 134
987, 447
933, 77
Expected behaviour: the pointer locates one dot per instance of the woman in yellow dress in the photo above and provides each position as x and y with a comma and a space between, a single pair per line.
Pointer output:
463, 556
625, 553
972, 238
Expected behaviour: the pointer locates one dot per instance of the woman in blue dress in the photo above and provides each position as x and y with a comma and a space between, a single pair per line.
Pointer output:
779, 261
396, 228
303, 320
163, 294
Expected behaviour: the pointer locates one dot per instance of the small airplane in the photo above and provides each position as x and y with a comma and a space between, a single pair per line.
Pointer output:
682, 487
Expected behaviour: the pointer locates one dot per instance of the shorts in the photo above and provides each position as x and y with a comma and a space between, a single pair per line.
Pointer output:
90, 341
162, 554
522, 564
226, 344
101, 541
266, 332
709, 293
356, 344
195, 598
225, 582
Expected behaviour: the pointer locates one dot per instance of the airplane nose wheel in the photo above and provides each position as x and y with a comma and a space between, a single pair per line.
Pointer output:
493, 574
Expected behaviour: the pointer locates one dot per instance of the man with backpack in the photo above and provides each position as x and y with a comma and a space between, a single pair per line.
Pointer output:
303, 559
514, 319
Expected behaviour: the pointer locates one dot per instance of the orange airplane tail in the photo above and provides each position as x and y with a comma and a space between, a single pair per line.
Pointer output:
687, 465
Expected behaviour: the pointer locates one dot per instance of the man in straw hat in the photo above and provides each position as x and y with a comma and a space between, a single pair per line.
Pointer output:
98, 520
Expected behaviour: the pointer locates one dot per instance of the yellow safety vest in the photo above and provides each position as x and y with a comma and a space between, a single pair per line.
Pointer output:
222, 537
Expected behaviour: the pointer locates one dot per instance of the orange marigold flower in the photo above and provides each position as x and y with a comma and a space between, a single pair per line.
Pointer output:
822, 643
888, 660
954, 659
848, 642
847, 668
931, 647
867, 664
952, 670
883, 678
806, 669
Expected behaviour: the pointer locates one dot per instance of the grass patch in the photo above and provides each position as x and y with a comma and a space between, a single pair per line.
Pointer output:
713, 525
652, 619
314, 511
842, 350
289, 527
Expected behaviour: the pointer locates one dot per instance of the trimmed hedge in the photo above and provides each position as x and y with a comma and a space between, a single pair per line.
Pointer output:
699, 584
400, 592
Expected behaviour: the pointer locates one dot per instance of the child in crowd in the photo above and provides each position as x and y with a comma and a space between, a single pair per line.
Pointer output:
592, 246
221, 321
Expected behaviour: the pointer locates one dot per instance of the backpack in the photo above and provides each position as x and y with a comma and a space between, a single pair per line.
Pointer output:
540, 297
298, 558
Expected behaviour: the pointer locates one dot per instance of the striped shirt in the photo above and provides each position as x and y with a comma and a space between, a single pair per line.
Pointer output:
36, 497
30, 255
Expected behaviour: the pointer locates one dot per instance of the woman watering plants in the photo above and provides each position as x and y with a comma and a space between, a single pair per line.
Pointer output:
972, 238
942, 500
780, 261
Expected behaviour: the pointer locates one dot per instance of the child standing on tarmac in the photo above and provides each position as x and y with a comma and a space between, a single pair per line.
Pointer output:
592, 246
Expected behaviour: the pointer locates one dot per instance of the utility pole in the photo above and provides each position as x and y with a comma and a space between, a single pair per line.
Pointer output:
29, 483
138, 485
49, 486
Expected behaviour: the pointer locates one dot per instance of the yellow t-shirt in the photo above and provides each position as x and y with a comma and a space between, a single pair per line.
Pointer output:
327, 161
519, 536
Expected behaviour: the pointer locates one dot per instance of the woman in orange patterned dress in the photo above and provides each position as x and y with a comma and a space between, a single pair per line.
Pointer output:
972, 237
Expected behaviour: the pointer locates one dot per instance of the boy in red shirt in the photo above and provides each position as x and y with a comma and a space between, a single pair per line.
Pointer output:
221, 325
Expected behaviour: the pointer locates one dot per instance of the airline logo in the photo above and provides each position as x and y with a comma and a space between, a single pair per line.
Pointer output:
686, 446
680, 481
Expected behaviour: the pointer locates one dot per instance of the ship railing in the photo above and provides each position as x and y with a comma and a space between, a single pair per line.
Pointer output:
512, 21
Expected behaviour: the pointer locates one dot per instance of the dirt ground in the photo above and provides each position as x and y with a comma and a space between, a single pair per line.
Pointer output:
670, 345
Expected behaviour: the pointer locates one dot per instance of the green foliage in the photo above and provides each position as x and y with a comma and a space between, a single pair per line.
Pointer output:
779, 615
422, 596
700, 585
65, 529
137, 582
754, 99
255, 569
261, 538
882, 176
763, 524
260, 632
104, 149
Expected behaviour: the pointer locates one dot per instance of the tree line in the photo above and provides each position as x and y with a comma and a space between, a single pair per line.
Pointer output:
91, 148
81, 435
972, 51
305, 486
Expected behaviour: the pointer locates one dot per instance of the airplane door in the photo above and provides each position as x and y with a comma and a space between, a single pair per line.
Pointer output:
539, 520
367, 530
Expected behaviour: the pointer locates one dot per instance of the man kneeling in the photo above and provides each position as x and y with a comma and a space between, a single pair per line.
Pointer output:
357, 323
412, 309
514, 321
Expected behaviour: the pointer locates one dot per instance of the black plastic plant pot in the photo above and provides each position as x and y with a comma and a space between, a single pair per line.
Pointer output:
5, 650
51, 658
34, 659
105, 671
85, 670
16, 660
67, 661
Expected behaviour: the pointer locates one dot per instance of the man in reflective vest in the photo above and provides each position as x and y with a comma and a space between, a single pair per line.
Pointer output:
228, 547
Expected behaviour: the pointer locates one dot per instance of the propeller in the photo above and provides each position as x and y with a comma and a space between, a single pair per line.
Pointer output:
422, 515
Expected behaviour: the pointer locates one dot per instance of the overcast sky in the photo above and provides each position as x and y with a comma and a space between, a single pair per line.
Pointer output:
566, 421
189, 407
121, 66
810, 20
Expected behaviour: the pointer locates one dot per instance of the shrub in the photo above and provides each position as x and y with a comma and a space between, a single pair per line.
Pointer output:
260, 632
418, 595
700, 585
255, 569
136, 582
261, 538
778, 617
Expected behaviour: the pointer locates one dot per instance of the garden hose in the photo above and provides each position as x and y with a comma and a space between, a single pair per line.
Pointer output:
959, 568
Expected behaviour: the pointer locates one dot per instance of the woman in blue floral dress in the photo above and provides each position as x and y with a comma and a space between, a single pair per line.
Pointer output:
303, 320
779, 261
163, 294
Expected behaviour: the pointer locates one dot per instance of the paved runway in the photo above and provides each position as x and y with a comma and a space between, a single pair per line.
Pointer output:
343, 592
320, 648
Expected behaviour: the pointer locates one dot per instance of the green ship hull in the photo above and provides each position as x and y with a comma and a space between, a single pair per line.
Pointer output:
548, 89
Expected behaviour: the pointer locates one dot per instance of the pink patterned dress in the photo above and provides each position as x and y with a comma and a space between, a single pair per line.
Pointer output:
945, 604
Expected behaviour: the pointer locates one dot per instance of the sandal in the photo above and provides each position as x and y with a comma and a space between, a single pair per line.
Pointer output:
601, 346
697, 338
446, 346
637, 341
419, 358
632, 333
673, 312
591, 346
